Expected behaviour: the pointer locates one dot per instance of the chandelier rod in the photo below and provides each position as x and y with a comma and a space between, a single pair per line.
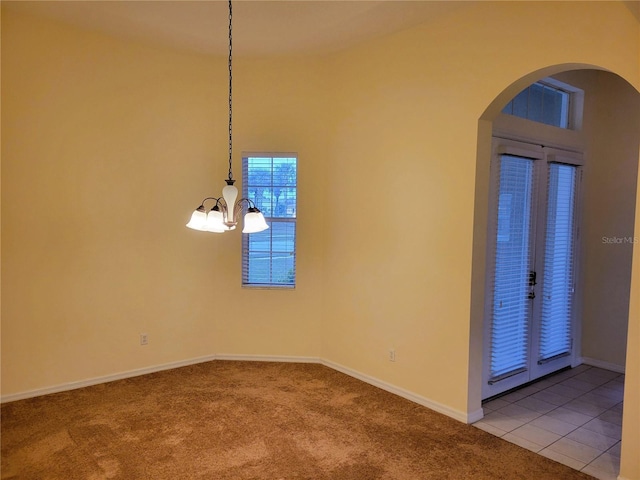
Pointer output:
230, 181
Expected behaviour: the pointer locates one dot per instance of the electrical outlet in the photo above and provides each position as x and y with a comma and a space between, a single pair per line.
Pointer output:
392, 355
144, 339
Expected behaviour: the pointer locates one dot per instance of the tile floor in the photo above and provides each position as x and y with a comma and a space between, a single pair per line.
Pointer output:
573, 417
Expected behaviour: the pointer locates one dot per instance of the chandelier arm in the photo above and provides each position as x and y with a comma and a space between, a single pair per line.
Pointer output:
238, 209
250, 202
211, 198
242, 205
247, 200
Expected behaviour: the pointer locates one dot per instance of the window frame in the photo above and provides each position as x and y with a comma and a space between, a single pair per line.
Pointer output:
292, 220
574, 109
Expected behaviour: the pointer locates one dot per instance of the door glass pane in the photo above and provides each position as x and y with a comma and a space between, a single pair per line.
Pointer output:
555, 327
511, 307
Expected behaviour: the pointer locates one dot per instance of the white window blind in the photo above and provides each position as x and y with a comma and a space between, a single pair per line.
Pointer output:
557, 289
269, 257
511, 307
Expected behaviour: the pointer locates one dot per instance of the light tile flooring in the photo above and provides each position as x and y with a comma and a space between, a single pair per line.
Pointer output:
573, 417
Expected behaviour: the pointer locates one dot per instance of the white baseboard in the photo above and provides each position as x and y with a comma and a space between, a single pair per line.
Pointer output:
266, 358
475, 416
425, 402
156, 368
104, 379
594, 362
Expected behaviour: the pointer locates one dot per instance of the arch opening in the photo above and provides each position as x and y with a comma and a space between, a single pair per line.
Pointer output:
610, 139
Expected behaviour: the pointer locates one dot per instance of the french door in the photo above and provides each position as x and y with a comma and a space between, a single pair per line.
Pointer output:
529, 307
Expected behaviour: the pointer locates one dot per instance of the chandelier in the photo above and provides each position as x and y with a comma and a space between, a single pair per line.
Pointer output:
226, 210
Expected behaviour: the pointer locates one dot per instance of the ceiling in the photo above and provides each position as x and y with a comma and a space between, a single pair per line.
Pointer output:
260, 27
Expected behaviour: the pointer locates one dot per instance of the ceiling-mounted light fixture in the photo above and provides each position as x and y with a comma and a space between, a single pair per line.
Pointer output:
223, 216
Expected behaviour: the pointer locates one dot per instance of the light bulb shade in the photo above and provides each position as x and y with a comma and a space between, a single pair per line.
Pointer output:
254, 221
215, 221
230, 193
198, 219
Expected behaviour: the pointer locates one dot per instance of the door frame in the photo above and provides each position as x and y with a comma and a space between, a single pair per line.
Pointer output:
504, 143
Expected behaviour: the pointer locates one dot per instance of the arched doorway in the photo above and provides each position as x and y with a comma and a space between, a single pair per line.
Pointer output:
611, 131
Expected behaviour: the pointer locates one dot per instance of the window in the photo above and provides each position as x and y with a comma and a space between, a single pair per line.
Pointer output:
269, 257
543, 102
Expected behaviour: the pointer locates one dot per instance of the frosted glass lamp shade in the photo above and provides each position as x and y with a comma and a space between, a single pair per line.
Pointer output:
254, 221
215, 221
198, 219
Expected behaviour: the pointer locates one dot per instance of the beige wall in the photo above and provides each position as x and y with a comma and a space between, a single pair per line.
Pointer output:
612, 123
406, 283
387, 134
109, 146
408, 122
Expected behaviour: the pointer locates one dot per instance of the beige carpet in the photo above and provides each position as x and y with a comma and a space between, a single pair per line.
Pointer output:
250, 420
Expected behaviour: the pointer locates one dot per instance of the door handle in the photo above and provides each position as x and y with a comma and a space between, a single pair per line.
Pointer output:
532, 295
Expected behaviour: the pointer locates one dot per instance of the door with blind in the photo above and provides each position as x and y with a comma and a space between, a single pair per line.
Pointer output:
529, 308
